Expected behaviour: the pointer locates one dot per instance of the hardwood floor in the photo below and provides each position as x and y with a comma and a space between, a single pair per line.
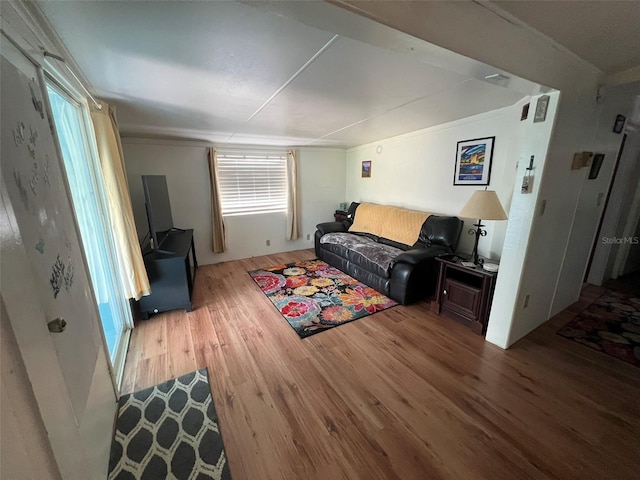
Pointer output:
402, 394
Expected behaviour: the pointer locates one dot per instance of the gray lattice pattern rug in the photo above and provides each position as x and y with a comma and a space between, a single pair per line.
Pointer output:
169, 431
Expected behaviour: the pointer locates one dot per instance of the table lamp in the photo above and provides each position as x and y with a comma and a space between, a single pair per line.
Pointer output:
483, 204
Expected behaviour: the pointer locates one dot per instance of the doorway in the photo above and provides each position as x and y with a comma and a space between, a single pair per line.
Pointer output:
615, 251
46, 291
89, 204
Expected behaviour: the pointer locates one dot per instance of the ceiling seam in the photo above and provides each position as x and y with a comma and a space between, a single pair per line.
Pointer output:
519, 23
287, 83
386, 111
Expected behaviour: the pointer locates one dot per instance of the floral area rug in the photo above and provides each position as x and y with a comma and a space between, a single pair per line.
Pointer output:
313, 296
611, 324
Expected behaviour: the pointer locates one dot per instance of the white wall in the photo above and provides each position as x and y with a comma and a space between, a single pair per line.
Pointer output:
516, 49
321, 176
524, 210
415, 171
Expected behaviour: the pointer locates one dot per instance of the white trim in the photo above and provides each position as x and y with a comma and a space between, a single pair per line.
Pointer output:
121, 358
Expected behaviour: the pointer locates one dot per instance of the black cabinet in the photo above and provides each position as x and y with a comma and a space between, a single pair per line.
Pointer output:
171, 272
340, 215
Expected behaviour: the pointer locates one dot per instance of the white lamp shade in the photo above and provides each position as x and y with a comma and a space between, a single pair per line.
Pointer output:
483, 205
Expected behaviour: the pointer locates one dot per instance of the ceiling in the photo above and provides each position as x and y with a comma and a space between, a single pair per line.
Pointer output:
229, 72
604, 33
240, 73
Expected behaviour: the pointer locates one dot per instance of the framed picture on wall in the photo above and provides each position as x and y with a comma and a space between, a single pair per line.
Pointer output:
595, 165
473, 161
619, 124
366, 169
541, 109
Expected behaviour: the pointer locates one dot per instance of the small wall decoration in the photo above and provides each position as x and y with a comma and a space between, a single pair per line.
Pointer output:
581, 160
61, 276
525, 112
37, 104
24, 197
366, 169
595, 165
40, 245
527, 180
473, 161
527, 183
619, 124
541, 109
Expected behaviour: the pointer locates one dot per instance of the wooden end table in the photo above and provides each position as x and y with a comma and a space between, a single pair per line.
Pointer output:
464, 293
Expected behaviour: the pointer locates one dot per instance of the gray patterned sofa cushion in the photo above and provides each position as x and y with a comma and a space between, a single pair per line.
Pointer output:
374, 256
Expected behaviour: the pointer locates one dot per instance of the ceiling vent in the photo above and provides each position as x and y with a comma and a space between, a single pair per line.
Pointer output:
497, 78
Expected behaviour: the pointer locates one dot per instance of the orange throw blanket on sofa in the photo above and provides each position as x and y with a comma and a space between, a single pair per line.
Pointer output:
397, 224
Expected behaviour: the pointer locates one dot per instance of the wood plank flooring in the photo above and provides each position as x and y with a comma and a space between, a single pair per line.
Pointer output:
402, 394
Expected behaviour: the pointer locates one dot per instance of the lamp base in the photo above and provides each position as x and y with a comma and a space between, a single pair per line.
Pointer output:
478, 232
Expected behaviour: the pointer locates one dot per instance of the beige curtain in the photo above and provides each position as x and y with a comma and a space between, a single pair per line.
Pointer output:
217, 222
293, 227
133, 275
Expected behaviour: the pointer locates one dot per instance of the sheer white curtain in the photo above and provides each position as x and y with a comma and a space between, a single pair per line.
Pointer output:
293, 221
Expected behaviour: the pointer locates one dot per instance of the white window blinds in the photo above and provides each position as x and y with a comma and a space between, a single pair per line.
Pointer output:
252, 182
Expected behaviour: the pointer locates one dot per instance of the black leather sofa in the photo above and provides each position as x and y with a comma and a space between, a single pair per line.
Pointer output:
405, 273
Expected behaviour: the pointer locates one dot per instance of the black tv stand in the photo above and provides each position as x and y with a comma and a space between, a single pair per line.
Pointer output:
157, 250
171, 271
162, 250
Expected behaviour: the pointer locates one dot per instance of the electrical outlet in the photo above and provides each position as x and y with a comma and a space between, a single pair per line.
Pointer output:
525, 304
268, 243
308, 236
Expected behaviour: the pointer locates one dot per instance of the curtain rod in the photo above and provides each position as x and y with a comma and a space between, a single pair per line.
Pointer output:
64, 62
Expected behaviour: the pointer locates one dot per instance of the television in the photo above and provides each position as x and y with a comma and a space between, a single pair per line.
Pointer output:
156, 197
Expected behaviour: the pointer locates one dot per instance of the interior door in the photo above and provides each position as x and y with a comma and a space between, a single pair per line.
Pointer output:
44, 277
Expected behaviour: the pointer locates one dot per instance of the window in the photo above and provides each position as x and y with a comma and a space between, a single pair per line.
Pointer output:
252, 182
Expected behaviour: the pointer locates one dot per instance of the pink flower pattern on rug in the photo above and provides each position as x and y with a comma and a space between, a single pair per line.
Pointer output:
313, 296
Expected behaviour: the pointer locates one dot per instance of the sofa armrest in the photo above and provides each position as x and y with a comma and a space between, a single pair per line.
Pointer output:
443, 231
329, 227
414, 273
416, 256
